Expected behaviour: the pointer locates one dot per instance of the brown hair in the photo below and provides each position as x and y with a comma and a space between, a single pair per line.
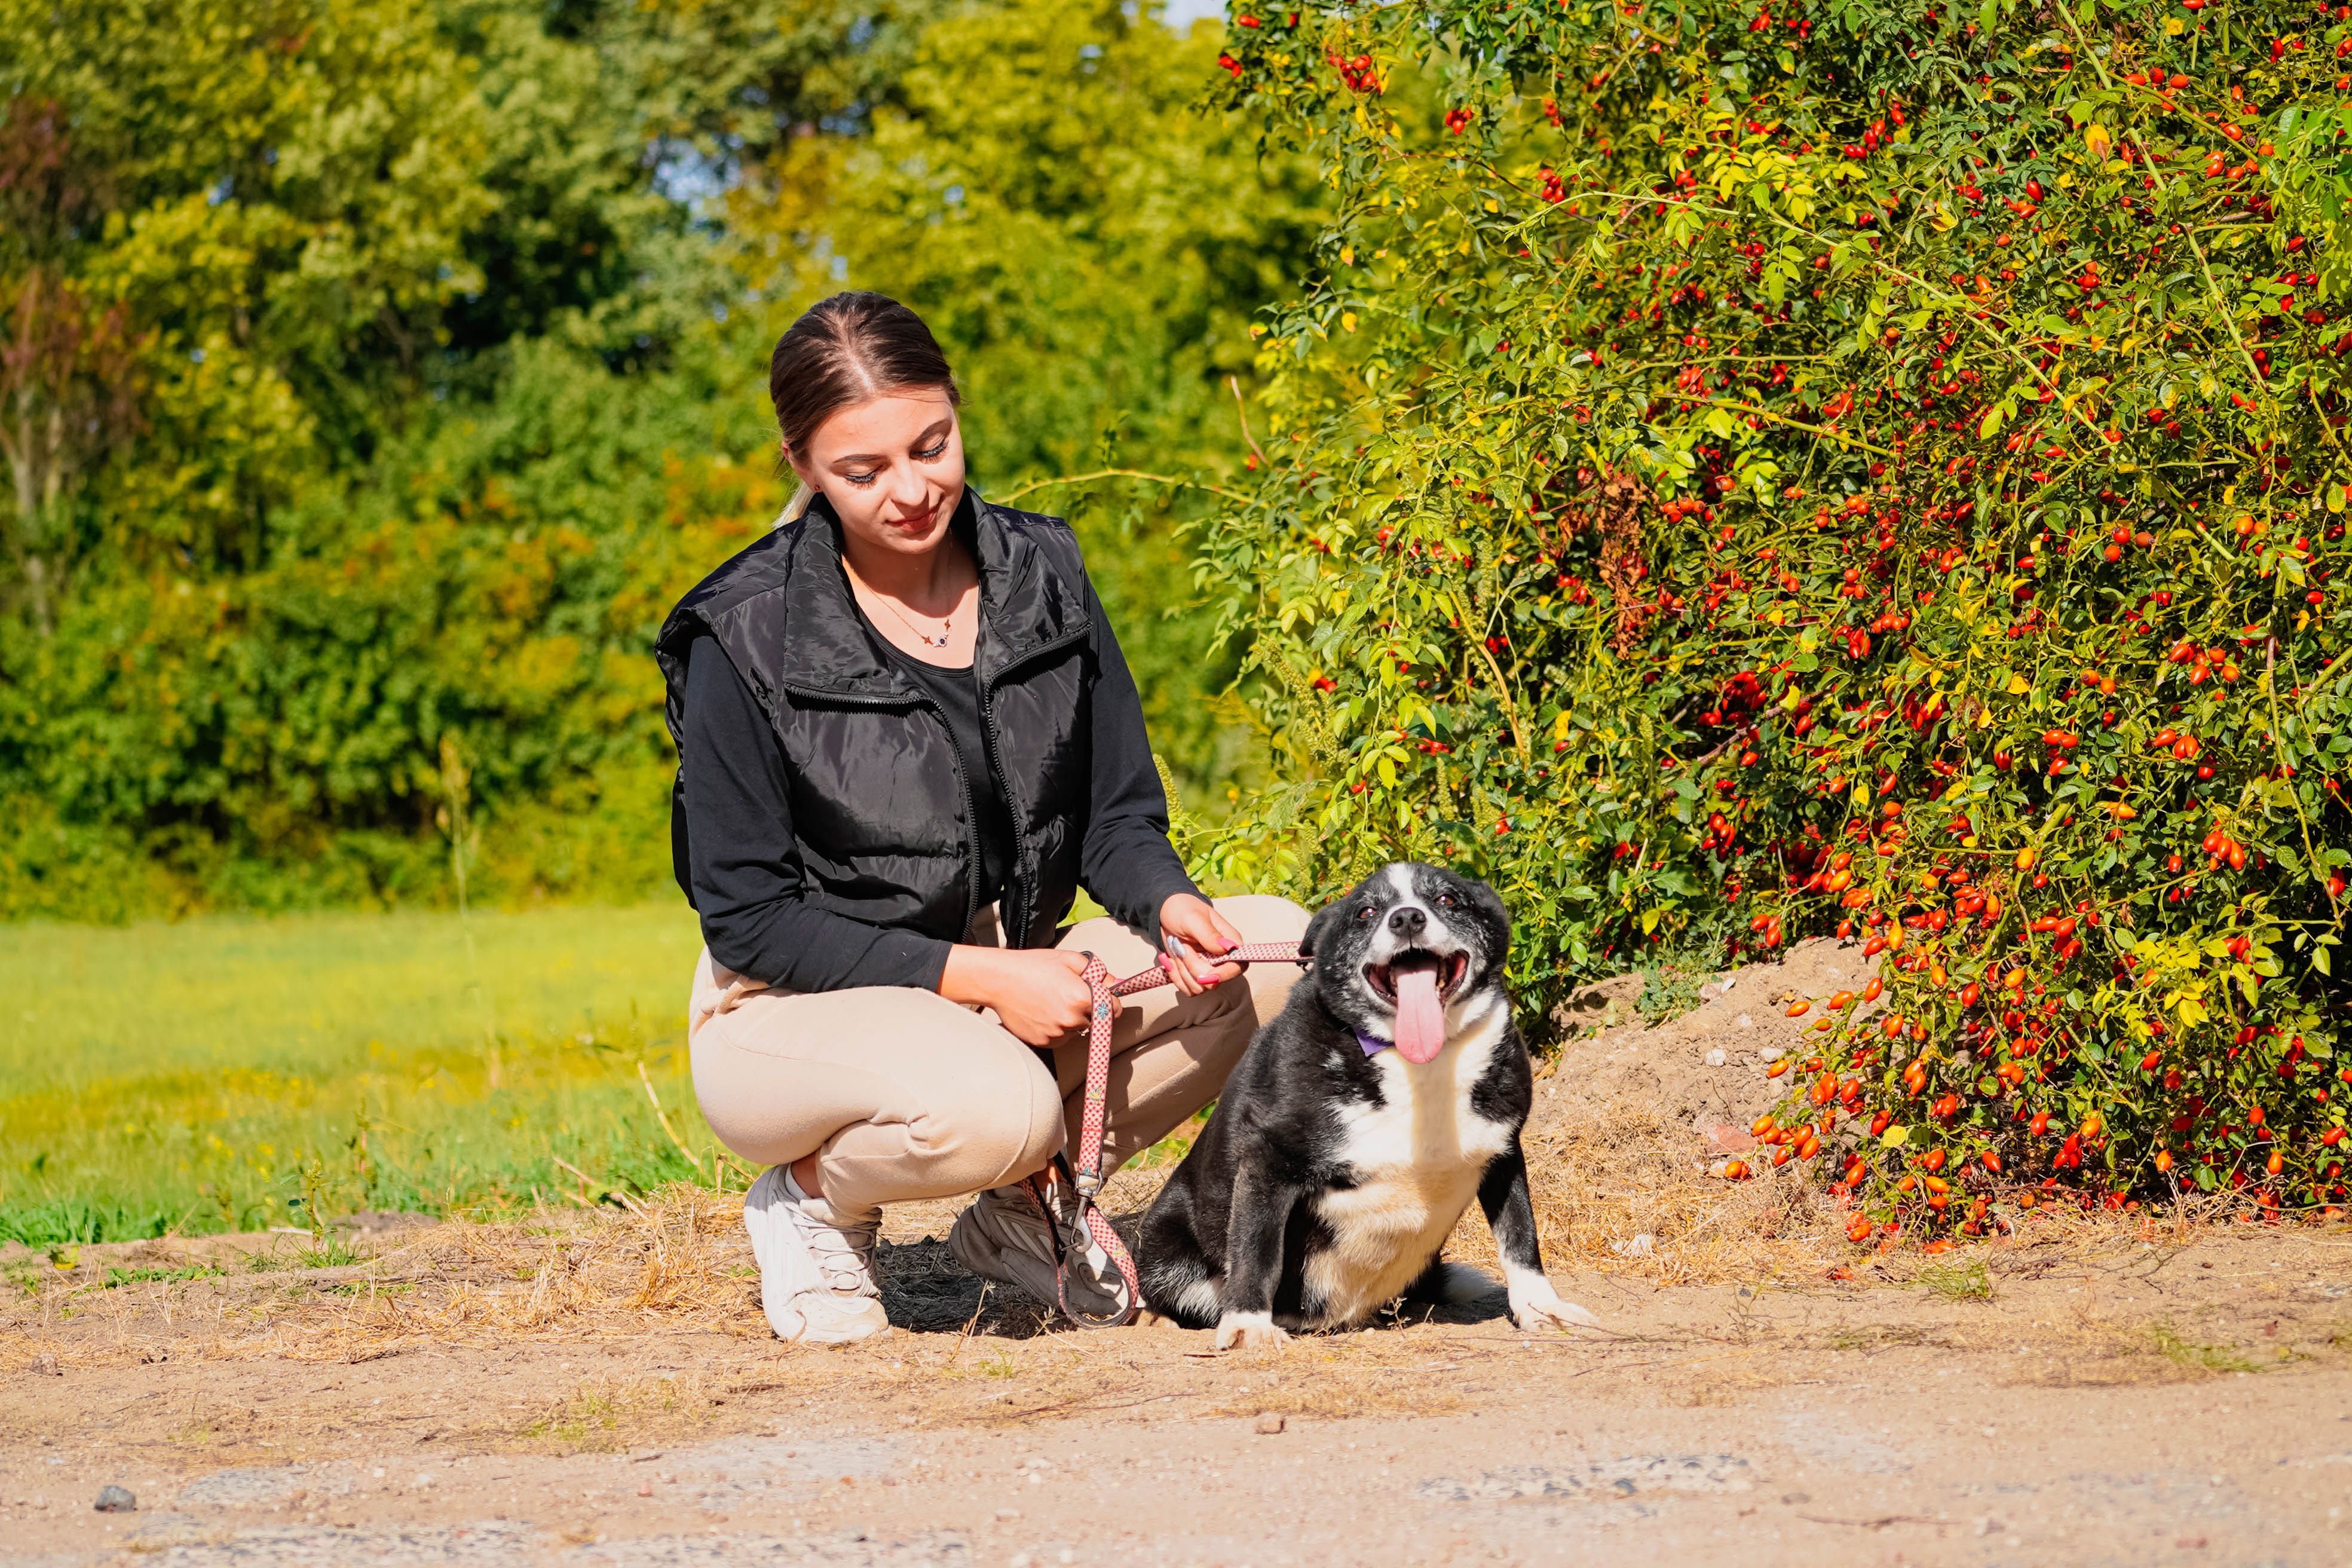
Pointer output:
843, 351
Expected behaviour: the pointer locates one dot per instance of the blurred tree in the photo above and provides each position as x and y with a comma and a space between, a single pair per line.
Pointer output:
68, 370
1090, 246
614, 124
262, 203
381, 370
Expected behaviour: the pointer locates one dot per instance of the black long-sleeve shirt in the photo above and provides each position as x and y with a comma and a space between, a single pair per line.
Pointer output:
744, 872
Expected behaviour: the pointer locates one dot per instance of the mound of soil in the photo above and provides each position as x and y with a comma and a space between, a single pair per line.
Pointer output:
1703, 1071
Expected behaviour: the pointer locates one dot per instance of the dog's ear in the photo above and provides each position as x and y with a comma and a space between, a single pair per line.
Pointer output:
1318, 928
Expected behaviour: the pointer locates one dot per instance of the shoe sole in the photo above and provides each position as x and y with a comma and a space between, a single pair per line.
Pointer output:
829, 1340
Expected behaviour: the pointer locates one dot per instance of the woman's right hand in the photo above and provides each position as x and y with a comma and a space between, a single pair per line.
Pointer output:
1038, 993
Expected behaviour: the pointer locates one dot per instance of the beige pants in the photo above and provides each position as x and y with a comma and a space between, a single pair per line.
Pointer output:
903, 1094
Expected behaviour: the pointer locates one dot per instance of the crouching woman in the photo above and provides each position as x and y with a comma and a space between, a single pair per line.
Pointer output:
907, 738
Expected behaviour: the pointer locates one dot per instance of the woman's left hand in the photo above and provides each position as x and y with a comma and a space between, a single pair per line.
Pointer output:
1193, 920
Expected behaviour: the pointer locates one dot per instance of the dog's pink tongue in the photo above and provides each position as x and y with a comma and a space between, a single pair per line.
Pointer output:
1420, 1015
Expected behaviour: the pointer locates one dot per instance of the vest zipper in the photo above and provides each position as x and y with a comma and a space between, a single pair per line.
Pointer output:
1009, 933
1015, 934
976, 857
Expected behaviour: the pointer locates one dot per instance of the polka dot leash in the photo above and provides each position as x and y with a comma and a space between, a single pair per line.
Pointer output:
1086, 1178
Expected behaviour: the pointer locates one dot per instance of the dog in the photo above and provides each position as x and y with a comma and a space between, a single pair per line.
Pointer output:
1356, 1128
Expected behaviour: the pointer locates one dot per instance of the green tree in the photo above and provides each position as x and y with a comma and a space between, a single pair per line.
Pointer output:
614, 129
1090, 246
401, 424
251, 218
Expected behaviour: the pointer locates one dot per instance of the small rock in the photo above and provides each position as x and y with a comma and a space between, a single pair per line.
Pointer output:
1769, 1054
1730, 1138
1715, 1056
1642, 1245
116, 1499
1268, 1425
44, 1364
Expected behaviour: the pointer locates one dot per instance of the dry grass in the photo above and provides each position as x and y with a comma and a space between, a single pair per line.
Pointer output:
598, 1332
677, 1264
1605, 1174
604, 1413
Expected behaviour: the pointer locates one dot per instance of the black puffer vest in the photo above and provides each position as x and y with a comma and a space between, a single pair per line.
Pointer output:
881, 807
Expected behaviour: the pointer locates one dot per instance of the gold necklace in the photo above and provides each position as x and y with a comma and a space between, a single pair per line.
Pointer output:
947, 622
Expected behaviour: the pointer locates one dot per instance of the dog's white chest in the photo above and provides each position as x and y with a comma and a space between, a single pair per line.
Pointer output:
1417, 1158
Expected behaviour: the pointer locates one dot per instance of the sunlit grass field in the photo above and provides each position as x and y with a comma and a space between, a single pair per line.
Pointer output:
232, 1073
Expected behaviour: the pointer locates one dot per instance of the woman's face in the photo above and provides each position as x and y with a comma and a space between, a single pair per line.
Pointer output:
892, 467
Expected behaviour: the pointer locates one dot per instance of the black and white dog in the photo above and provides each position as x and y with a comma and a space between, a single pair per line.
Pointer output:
1356, 1128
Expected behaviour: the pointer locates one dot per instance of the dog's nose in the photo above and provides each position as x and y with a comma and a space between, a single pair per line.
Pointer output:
1408, 921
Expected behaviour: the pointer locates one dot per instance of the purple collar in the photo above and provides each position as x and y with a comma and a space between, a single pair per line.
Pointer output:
1373, 1045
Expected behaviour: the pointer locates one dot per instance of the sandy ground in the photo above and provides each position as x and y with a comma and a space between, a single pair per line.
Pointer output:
596, 1388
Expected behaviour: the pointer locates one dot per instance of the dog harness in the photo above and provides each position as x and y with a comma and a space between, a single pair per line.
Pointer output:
1086, 1181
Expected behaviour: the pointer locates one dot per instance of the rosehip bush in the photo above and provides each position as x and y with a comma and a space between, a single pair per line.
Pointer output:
1745, 472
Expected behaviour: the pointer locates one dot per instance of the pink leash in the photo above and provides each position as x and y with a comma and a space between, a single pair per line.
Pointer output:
1088, 1179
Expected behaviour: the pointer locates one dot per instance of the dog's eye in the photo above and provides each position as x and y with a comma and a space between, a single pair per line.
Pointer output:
1366, 912
1445, 899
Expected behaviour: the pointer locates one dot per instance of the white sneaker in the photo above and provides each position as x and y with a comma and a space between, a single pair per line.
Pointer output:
1003, 1237
817, 1272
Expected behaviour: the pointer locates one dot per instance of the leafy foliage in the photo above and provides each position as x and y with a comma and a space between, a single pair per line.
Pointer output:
336, 437
260, 279
1873, 468
1046, 190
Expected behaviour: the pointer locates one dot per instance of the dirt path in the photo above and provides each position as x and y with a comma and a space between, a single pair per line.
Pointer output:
596, 1387
2112, 1400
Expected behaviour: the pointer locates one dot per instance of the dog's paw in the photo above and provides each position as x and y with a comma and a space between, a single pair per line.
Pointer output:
1535, 1305
1249, 1330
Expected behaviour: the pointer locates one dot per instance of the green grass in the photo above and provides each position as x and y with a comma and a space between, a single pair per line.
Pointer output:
2195, 1357
117, 1278
1966, 1281
230, 1073
1669, 991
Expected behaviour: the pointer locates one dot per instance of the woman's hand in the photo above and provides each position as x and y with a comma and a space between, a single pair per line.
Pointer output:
1201, 928
1039, 993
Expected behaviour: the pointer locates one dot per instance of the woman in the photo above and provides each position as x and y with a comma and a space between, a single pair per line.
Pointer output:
905, 738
